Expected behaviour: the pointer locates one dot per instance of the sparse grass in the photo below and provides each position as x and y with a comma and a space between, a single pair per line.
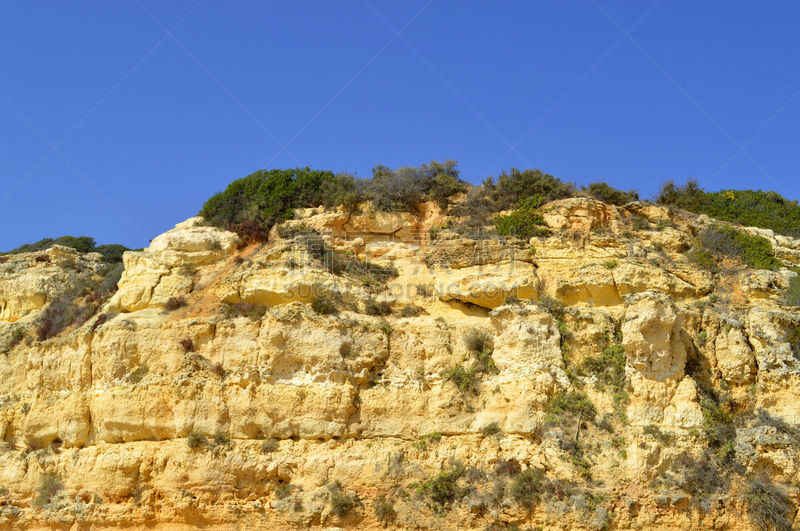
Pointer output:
610, 264
411, 310
384, 510
373, 307
768, 507
422, 442
196, 440
284, 490
323, 305
269, 446
717, 420
49, 487
702, 337
477, 340
254, 312
341, 503
552, 305
173, 303
490, 429
653, 431
221, 438
345, 263
609, 369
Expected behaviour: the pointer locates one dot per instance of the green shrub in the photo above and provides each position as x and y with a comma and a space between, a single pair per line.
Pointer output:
610, 264
433, 437
526, 487
464, 379
608, 368
478, 341
640, 223
718, 241
341, 503
490, 429
196, 440
112, 253
768, 507
323, 305
569, 404
792, 295
254, 312
221, 438
752, 208
523, 223
607, 194
516, 184
344, 189
411, 310
703, 259
384, 510
717, 420
793, 337
405, 188
373, 307
251, 205
443, 489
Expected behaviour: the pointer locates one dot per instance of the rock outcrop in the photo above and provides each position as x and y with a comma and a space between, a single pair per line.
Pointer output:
383, 374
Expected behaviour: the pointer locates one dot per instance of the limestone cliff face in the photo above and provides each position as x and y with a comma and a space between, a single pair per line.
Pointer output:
210, 391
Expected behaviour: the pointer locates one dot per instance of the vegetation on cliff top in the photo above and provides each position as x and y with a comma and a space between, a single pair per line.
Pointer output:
112, 253
752, 208
251, 205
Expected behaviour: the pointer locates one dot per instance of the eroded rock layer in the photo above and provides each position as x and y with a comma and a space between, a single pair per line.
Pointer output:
590, 379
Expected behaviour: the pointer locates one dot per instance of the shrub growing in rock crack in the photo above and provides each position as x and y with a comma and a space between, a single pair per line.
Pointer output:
373, 307
384, 510
196, 440
269, 446
443, 489
323, 305
341, 503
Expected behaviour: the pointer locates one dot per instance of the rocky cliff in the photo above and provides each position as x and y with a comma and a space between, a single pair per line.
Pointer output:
378, 370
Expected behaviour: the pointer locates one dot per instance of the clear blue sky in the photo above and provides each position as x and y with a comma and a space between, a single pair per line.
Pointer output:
141, 126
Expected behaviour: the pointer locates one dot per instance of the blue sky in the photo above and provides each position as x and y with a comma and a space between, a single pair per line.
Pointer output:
112, 127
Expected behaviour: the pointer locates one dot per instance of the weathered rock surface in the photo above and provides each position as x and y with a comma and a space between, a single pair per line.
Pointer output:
242, 406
